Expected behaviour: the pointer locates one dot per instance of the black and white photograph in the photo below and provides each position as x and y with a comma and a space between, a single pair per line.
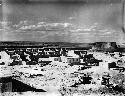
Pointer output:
62, 47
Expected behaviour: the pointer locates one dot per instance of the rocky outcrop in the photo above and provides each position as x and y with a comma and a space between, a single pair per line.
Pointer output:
13, 85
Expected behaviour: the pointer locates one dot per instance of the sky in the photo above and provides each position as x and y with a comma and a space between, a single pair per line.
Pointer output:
62, 22
90, 1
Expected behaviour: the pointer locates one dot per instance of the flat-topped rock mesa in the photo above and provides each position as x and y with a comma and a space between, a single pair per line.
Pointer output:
105, 46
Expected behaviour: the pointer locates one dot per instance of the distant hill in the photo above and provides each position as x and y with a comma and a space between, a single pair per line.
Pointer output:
42, 44
102, 46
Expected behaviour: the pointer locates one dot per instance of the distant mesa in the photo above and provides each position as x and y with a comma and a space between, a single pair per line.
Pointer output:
99, 46
105, 46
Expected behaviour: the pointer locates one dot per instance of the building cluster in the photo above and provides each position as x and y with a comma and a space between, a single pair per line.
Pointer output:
70, 56
33, 56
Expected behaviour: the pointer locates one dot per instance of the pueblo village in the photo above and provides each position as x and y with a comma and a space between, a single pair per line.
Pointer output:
62, 69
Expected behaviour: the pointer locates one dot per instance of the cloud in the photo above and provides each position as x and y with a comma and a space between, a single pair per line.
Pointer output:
61, 31
29, 25
65, 27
